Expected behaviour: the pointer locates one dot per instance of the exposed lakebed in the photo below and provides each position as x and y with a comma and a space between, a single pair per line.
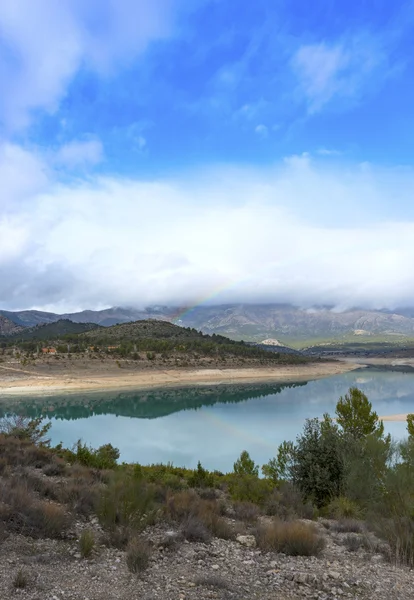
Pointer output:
211, 424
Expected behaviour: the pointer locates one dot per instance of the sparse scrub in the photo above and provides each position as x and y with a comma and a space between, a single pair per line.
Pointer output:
138, 554
292, 538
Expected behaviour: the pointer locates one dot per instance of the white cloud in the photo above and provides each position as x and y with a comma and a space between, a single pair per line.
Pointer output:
45, 43
80, 153
342, 70
262, 131
256, 235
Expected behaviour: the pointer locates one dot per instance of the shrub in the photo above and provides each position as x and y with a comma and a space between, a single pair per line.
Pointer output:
117, 537
344, 508
292, 538
86, 543
194, 530
353, 543
55, 469
182, 504
348, 526
49, 520
399, 533
246, 511
25, 428
138, 555
220, 528
126, 502
201, 478
286, 502
105, 457
82, 497
249, 488
3, 465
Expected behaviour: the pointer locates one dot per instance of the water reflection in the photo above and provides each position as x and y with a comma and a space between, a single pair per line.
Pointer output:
211, 424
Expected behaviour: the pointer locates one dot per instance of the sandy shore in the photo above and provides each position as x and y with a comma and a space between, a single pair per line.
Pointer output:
16, 382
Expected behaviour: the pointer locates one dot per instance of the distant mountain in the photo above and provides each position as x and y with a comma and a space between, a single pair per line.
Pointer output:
30, 318
8, 327
252, 322
51, 331
106, 317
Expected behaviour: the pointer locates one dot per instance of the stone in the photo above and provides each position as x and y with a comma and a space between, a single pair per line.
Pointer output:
247, 540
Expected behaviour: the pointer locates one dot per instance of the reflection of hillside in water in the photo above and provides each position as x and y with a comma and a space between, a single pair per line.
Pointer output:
149, 404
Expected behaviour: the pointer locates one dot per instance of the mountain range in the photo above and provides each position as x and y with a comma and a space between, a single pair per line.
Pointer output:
255, 322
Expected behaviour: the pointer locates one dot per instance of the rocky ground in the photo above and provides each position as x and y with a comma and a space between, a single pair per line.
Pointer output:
350, 566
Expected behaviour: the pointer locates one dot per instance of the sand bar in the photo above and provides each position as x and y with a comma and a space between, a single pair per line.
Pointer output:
35, 384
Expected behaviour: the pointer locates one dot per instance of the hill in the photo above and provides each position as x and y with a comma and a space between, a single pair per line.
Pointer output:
52, 331
289, 324
8, 327
164, 337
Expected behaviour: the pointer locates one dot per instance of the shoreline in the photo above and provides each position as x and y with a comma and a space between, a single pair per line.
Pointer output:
47, 385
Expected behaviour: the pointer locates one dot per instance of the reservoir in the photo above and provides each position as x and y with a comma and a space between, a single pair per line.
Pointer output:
212, 424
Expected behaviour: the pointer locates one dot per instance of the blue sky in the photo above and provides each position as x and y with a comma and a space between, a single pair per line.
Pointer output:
285, 116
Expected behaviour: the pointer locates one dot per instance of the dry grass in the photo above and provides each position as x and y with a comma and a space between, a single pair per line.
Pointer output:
292, 538
86, 543
22, 512
138, 554
21, 580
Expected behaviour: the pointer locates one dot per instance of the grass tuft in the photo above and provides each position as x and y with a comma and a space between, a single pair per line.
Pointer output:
292, 538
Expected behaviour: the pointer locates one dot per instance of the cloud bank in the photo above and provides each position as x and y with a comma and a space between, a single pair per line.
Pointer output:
303, 231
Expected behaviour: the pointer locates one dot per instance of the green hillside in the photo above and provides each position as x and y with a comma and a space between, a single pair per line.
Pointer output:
165, 338
53, 331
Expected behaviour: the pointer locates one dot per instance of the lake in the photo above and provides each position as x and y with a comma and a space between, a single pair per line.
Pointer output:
211, 424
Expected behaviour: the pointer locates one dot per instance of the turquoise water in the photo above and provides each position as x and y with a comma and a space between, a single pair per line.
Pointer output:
211, 424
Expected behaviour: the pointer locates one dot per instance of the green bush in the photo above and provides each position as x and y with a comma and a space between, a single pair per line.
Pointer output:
249, 488
200, 478
105, 457
127, 502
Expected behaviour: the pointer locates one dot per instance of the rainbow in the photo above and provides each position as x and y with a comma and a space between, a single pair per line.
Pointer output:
212, 295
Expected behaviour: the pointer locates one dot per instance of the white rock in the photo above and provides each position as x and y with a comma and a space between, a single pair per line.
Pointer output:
247, 540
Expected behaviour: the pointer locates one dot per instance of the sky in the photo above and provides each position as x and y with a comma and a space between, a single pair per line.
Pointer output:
185, 151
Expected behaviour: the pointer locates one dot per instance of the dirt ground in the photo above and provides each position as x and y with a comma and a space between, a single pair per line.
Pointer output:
50, 375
